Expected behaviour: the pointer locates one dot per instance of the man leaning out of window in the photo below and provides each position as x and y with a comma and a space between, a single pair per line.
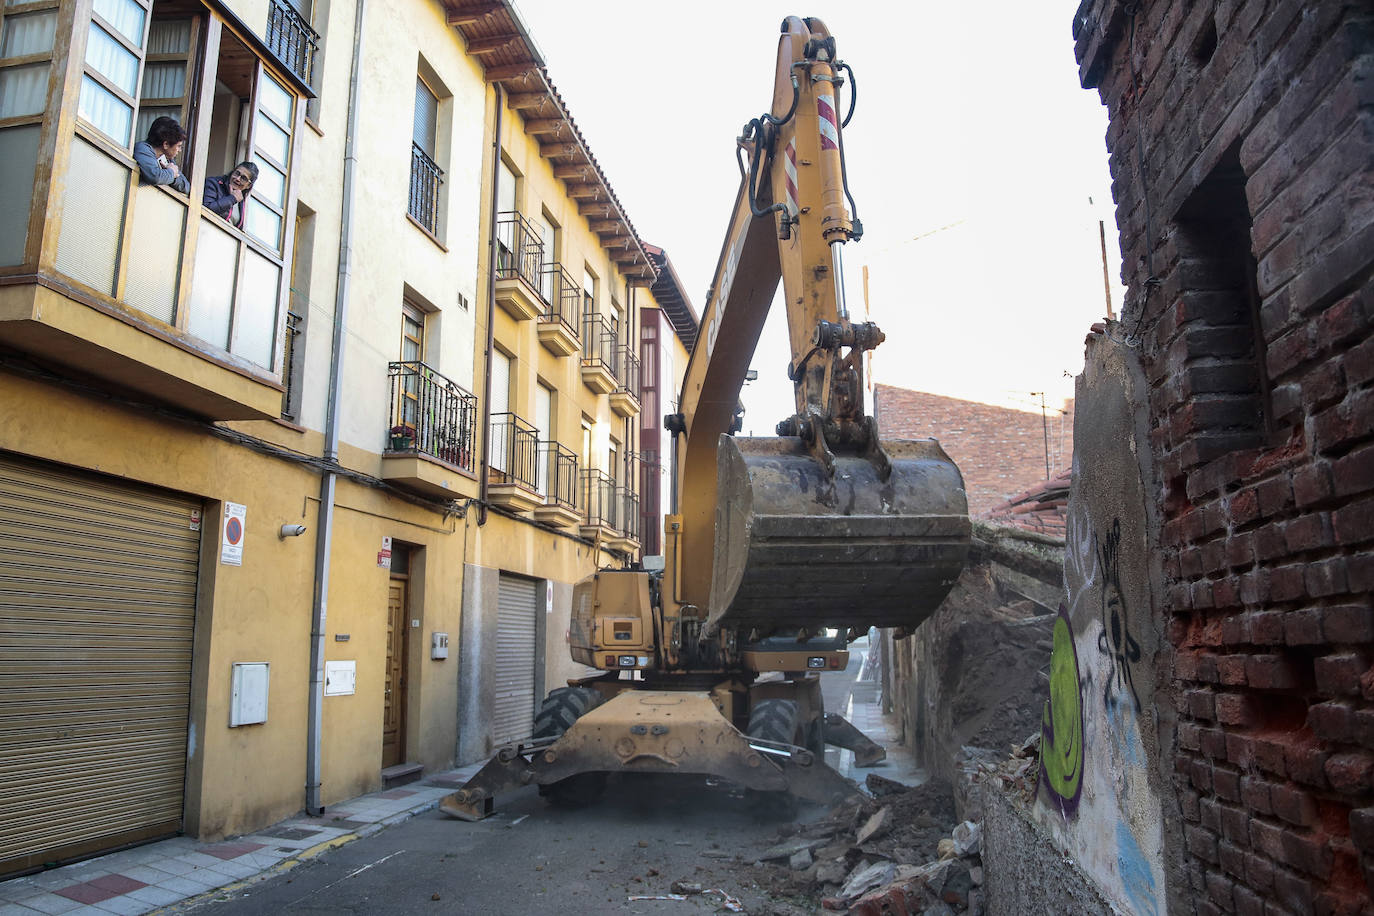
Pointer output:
156, 155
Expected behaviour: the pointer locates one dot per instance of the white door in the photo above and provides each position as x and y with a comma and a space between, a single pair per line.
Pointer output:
500, 406
545, 230
543, 418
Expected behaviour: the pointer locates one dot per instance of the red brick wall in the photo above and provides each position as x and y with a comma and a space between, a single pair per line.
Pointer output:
1000, 451
1262, 422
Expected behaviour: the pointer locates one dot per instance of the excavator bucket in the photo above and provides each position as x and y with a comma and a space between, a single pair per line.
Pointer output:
800, 546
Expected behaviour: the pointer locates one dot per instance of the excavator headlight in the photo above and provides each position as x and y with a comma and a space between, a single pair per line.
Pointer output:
816, 661
626, 661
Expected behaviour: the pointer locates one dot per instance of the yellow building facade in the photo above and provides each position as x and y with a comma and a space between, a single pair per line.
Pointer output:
292, 508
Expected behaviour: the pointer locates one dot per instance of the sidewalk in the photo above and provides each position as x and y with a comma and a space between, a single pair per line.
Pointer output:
170, 872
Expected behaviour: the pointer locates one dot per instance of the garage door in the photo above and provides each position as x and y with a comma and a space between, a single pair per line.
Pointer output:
513, 710
97, 606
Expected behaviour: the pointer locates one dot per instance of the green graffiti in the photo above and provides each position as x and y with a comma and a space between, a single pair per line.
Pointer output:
1061, 739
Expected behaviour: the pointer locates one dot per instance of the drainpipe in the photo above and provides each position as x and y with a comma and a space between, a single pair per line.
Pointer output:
323, 543
491, 306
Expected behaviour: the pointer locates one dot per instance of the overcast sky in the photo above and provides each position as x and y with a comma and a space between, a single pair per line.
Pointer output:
977, 163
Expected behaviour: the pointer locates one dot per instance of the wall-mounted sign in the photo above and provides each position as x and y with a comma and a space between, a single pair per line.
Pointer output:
231, 540
384, 555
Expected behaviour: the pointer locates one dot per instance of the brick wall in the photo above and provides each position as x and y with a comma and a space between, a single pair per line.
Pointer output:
1000, 451
1241, 141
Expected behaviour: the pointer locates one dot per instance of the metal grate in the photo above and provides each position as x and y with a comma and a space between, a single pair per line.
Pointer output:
514, 451
425, 179
430, 415
558, 474
599, 504
292, 39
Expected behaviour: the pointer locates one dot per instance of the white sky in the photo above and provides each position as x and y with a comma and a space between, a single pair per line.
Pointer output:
977, 163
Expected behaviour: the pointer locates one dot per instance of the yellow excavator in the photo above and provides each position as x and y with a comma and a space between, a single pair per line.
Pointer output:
784, 548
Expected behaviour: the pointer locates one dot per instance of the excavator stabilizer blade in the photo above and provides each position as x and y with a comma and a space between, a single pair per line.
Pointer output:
799, 546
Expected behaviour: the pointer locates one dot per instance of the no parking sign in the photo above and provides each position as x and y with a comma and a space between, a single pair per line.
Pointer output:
231, 535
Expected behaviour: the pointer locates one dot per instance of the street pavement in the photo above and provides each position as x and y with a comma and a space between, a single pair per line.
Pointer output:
177, 874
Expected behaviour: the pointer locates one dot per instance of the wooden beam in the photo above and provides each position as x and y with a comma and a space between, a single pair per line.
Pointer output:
580, 172
567, 150
545, 126
597, 209
607, 227
491, 44
522, 101
586, 192
471, 14
501, 73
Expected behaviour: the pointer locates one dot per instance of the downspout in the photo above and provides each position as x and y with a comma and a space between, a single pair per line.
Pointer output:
491, 306
319, 611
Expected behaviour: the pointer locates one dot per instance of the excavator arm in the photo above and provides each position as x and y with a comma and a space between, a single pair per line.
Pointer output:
827, 524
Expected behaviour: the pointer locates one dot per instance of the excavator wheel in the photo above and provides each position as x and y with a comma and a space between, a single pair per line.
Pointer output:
774, 720
560, 709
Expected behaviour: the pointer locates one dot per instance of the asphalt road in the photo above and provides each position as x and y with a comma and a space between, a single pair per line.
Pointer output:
529, 858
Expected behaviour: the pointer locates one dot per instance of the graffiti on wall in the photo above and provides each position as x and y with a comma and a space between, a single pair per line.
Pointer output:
1061, 731
1115, 641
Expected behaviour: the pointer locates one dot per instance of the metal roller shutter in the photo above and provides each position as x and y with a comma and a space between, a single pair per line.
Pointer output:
512, 717
97, 607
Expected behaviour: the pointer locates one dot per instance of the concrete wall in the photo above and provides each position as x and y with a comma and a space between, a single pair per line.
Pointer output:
1105, 783
1026, 869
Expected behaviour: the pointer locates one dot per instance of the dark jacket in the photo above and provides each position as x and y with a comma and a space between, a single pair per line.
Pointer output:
151, 172
219, 200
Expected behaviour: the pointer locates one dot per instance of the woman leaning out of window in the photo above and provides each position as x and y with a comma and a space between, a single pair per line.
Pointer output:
226, 194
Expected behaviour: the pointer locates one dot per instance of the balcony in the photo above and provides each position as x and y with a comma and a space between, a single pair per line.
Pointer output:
626, 536
519, 266
558, 484
513, 463
600, 508
292, 39
558, 323
425, 179
432, 427
625, 398
598, 353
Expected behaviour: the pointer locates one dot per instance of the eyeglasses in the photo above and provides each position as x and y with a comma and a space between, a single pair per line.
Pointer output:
241, 177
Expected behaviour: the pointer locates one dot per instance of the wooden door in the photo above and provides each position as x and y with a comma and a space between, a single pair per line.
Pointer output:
394, 700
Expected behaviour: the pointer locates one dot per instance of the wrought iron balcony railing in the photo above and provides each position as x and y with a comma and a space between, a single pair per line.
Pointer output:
431, 415
290, 396
292, 39
598, 342
519, 250
629, 512
425, 179
562, 295
599, 503
627, 370
557, 475
513, 451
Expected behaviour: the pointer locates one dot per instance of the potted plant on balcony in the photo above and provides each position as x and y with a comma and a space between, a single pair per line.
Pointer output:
402, 438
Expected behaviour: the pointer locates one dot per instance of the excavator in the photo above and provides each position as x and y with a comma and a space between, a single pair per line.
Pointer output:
783, 549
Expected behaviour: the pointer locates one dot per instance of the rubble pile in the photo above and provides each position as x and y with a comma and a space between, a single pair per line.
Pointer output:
892, 854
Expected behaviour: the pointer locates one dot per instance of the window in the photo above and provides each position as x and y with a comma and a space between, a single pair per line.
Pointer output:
109, 79
26, 46
586, 455
613, 460
543, 419
425, 175
412, 356
223, 281
297, 314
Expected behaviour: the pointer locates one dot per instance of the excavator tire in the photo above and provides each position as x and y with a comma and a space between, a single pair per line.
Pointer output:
560, 709
773, 720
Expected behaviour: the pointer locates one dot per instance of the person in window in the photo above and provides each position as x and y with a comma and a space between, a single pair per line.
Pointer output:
227, 194
155, 156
